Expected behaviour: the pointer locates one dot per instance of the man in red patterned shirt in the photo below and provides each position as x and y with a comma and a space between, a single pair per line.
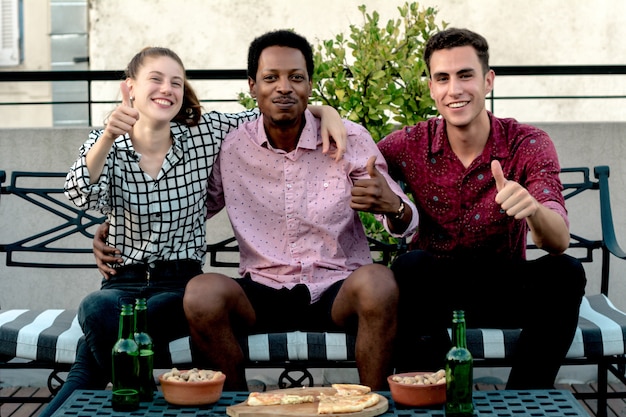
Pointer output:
480, 183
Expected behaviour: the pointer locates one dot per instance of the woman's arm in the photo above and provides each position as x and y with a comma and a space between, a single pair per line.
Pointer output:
332, 128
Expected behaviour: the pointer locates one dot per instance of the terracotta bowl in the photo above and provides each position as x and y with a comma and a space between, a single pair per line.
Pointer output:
192, 393
416, 395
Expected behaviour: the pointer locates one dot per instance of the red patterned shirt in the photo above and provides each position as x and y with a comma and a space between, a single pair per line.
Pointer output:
457, 210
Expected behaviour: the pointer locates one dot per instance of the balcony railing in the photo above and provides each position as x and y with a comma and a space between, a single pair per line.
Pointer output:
573, 73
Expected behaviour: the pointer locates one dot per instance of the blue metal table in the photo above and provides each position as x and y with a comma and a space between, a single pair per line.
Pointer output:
539, 403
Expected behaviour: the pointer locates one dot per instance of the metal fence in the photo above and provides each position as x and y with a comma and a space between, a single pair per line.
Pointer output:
573, 73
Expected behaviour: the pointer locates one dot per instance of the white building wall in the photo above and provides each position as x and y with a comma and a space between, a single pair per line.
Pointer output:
36, 52
216, 34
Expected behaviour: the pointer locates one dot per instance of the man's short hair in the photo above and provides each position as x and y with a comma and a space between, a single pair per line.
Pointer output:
455, 37
286, 38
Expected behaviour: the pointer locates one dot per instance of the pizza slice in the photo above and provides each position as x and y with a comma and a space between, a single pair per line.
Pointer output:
276, 398
344, 390
352, 403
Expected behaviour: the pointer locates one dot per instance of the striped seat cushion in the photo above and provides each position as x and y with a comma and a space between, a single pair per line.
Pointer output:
51, 336
281, 347
601, 332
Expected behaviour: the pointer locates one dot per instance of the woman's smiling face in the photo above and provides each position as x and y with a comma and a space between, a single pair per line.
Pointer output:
158, 88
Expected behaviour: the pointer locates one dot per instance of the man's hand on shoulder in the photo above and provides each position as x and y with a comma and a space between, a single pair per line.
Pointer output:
104, 254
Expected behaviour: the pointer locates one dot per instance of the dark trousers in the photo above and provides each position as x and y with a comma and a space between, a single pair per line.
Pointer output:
98, 315
542, 297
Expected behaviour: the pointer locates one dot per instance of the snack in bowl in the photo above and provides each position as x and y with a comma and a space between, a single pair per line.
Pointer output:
192, 387
418, 388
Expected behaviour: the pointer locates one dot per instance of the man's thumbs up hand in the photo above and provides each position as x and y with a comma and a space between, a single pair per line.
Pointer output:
512, 197
374, 194
498, 175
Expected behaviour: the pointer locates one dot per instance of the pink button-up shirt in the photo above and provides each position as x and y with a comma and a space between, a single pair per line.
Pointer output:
291, 212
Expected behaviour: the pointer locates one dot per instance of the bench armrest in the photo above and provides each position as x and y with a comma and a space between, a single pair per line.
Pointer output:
611, 246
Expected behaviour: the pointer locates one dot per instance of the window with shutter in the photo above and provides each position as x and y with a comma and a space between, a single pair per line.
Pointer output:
9, 33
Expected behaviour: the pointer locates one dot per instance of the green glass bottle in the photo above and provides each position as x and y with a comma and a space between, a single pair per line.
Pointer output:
459, 371
125, 375
147, 385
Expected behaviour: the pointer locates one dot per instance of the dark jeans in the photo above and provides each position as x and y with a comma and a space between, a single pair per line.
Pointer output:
98, 315
542, 297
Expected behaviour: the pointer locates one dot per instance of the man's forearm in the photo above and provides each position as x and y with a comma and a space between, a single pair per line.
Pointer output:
549, 230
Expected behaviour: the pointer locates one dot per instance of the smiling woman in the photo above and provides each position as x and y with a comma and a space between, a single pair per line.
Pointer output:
147, 171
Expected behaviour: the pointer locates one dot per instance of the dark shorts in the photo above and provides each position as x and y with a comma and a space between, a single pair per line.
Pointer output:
279, 310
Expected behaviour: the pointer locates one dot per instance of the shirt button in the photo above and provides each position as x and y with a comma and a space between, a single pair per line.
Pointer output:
325, 185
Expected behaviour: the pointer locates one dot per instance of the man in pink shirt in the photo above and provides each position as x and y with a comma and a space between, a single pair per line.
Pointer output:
480, 184
304, 256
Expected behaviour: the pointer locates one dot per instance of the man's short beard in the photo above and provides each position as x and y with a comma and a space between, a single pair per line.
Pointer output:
285, 122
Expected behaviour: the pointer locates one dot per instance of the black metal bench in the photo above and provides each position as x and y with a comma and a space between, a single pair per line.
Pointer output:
47, 338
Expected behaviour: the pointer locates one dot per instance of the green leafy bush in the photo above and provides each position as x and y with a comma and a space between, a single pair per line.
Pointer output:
377, 77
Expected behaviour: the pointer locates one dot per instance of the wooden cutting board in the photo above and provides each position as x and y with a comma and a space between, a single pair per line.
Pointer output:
306, 410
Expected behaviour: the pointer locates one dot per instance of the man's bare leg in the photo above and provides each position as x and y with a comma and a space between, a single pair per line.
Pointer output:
212, 303
371, 294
